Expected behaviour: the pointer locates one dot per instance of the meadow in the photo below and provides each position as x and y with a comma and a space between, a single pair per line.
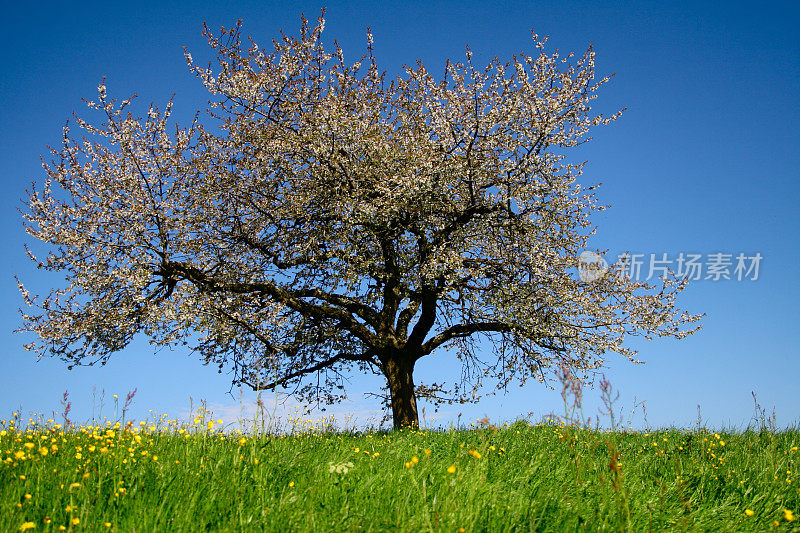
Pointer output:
168, 475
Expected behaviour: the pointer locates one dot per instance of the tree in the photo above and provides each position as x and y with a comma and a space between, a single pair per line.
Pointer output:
332, 220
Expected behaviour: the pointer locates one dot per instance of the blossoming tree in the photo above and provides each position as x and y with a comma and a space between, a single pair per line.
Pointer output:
333, 221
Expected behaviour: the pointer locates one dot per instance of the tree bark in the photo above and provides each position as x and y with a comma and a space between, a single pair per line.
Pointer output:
399, 372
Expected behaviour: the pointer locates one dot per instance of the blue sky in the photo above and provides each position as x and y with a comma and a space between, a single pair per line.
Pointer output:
706, 159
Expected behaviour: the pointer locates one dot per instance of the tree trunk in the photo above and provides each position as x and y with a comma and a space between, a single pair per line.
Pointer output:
399, 375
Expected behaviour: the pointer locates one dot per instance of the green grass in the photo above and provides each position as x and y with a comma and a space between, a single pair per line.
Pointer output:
519, 477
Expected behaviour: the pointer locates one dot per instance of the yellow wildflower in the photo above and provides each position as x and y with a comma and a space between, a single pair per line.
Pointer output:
26, 526
788, 515
451, 469
749, 512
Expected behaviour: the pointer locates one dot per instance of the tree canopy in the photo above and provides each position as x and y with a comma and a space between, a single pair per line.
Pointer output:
322, 219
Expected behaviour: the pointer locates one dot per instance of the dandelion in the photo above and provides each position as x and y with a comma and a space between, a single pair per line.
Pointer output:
28, 496
749, 512
291, 484
427, 452
19, 455
43, 451
475, 454
107, 524
76, 521
29, 445
451, 469
788, 515
415, 459
75, 485
26, 526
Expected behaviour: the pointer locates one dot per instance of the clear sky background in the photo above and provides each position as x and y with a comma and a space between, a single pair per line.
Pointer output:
706, 159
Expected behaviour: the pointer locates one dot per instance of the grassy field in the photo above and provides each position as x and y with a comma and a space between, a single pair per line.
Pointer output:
171, 476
